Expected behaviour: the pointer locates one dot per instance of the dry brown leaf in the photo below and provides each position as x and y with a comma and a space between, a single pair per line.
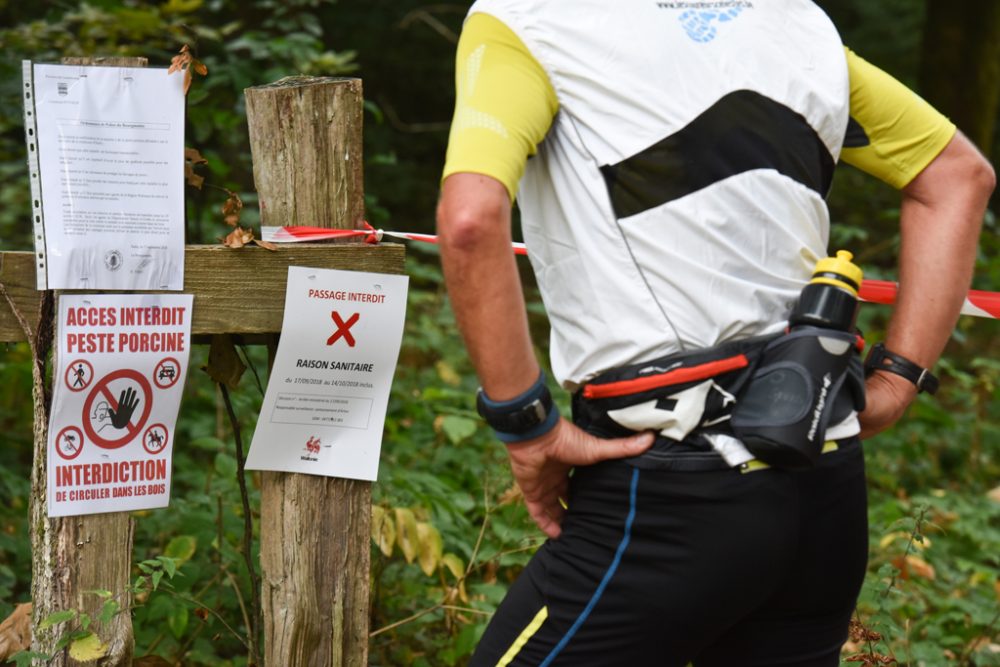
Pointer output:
180, 61
191, 177
187, 63
511, 495
224, 364
994, 494
267, 245
859, 633
15, 631
238, 238
913, 566
191, 158
231, 209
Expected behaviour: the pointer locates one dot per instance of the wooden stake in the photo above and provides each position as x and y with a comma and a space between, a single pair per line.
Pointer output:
305, 136
73, 556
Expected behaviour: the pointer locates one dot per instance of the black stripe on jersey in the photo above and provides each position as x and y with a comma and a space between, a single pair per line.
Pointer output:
742, 131
855, 137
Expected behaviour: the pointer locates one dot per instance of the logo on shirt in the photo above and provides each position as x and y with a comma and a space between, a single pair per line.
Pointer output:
701, 20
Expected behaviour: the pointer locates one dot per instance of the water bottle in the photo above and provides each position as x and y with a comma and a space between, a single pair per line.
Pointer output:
830, 300
804, 380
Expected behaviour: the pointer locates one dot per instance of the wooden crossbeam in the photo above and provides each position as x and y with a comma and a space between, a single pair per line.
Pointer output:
239, 292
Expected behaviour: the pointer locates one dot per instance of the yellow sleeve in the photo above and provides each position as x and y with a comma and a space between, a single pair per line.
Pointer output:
504, 103
892, 133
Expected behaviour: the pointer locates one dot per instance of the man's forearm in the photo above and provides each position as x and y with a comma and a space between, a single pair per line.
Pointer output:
941, 214
940, 221
484, 284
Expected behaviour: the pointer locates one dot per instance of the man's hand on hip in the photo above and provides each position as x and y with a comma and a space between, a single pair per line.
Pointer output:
887, 396
541, 466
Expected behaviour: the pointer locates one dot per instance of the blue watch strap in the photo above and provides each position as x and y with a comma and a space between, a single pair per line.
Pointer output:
527, 416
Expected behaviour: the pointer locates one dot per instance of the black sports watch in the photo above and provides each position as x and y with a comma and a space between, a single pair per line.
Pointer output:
881, 359
521, 418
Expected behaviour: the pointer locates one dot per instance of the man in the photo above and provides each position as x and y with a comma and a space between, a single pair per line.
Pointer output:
673, 207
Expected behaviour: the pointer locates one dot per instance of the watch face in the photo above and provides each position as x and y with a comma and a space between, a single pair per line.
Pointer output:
515, 420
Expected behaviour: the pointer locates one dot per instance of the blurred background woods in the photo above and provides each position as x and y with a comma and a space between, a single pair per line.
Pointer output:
450, 533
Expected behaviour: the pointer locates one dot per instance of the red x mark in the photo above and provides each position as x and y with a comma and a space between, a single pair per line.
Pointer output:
343, 328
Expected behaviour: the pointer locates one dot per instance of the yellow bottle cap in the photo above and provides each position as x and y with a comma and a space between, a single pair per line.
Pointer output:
839, 271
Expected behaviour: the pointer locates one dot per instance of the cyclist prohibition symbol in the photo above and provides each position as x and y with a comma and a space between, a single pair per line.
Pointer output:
112, 421
69, 443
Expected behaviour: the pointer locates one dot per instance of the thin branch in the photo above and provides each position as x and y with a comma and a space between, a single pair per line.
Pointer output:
403, 126
253, 369
479, 539
466, 610
917, 526
406, 620
444, 603
194, 598
23, 323
247, 527
425, 16
239, 598
247, 643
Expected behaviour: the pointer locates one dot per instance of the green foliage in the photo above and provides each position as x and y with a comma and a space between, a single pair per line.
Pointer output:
449, 531
442, 463
242, 44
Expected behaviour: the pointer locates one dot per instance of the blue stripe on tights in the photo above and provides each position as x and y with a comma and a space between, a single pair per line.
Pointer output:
607, 576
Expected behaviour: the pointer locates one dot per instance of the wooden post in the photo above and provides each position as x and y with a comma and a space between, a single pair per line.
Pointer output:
73, 556
305, 137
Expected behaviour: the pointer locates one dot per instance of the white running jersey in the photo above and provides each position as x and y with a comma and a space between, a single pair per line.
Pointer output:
677, 201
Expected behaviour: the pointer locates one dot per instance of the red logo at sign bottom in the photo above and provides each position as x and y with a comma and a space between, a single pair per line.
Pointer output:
102, 410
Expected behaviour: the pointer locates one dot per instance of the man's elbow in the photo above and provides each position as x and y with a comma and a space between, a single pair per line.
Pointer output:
986, 176
976, 173
461, 229
468, 218
959, 176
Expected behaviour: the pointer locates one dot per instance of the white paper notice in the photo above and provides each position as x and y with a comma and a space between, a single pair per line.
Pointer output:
111, 159
119, 374
325, 404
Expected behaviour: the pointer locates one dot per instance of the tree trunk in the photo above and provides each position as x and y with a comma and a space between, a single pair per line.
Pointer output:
305, 137
73, 556
960, 68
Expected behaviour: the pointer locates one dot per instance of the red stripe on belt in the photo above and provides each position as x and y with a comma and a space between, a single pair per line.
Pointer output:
676, 376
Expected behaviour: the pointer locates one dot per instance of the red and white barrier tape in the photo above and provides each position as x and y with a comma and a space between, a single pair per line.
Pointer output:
371, 235
977, 303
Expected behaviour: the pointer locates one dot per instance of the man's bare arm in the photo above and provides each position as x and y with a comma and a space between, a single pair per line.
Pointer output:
485, 289
940, 218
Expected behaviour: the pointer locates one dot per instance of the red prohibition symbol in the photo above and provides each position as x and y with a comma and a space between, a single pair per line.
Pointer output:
69, 443
117, 413
155, 439
343, 328
166, 373
79, 375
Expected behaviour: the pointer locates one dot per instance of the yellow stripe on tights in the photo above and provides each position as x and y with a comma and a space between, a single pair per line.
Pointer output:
523, 638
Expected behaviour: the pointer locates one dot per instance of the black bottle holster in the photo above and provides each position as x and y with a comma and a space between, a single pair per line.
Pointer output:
804, 381
778, 403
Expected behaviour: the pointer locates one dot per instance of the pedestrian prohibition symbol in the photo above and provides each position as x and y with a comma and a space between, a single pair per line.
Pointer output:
110, 421
79, 374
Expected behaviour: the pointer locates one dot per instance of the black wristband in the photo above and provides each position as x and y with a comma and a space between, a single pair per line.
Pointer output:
881, 359
523, 417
